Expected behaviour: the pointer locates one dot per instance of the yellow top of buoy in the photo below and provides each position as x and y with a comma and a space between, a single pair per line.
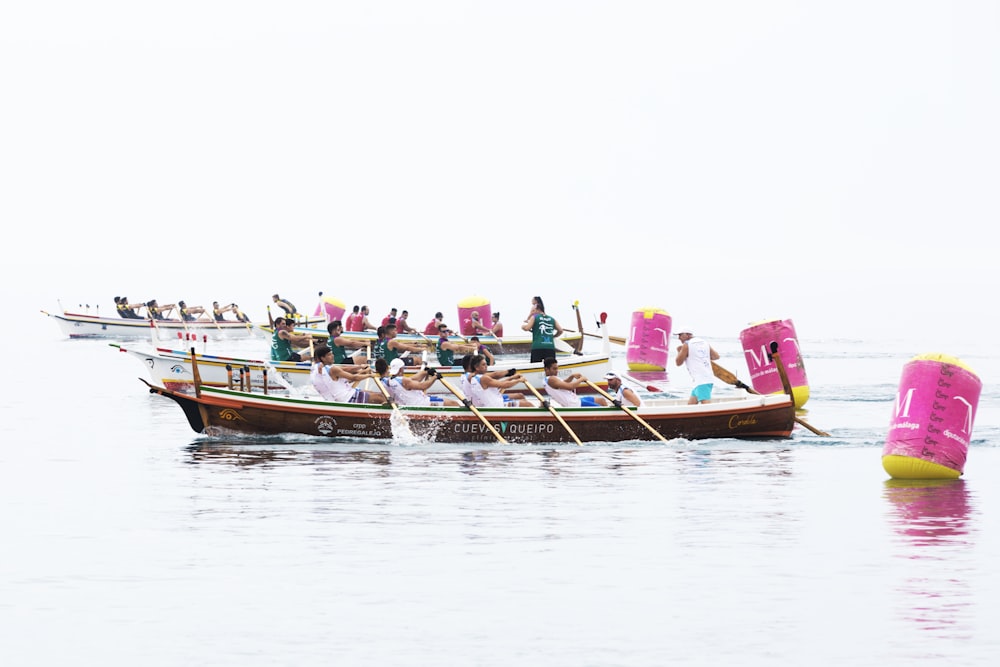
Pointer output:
943, 358
649, 312
473, 302
333, 301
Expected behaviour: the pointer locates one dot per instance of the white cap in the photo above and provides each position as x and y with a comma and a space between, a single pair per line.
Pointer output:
396, 365
611, 375
684, 330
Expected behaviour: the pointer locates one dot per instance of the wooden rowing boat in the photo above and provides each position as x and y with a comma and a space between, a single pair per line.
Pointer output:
223, 412
172, 369
565, 344
75, 325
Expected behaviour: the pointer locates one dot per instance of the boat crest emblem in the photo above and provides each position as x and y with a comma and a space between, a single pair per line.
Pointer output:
230, 415
326, 424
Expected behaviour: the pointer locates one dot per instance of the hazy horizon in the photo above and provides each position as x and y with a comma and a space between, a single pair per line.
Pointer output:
725, 162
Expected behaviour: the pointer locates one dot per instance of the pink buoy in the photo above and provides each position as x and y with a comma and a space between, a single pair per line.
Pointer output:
932, 420
331, 308
649, 340
473, 304
764, 375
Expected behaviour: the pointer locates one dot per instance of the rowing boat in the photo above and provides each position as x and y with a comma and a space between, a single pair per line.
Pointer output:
568, 343
172, 369
76, 325
222, 412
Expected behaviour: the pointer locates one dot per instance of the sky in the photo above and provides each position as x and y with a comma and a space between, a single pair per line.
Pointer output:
727, 162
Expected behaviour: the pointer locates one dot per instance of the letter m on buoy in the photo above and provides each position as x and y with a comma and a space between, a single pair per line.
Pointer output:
904, 409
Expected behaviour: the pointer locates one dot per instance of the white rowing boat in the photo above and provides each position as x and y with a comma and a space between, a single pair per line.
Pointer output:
172, 369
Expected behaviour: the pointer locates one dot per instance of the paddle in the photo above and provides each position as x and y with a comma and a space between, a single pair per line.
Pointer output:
548, 406
467, 403
729, 378
630, 413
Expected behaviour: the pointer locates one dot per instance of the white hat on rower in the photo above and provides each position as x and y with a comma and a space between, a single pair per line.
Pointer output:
396, 365
684, 330
610, 375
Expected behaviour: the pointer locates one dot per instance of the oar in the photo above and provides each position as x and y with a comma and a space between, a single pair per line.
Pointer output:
195, 374
630, 413
467, 403
618, 340
548, 406
563, 346
385, 392
729, 378
579, 325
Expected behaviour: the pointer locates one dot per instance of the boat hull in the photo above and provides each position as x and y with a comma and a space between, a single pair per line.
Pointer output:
222, 412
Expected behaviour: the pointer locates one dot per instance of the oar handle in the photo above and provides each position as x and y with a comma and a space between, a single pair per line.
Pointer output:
385, 392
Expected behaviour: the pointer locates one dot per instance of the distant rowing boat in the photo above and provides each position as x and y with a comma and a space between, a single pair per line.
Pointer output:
565, 344
75, 325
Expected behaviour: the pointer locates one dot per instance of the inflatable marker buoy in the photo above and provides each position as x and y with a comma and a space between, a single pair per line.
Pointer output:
932, 421
468, 305
764, 376
649, 340
331, 308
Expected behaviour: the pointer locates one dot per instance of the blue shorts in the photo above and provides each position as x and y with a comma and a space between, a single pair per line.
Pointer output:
702, 392
436, 400
588, 402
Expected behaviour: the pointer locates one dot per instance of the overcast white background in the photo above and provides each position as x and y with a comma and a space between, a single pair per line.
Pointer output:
833, 163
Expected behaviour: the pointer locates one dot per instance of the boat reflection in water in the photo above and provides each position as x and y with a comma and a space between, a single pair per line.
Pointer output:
932, 518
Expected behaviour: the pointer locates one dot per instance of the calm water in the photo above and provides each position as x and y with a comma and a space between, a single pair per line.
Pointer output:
129, 539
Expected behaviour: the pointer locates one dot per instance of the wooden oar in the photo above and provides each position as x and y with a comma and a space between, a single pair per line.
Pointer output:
617, 340
548, 406
385, 392
630, 413
195, 374
579, 324
729, 378
467, 403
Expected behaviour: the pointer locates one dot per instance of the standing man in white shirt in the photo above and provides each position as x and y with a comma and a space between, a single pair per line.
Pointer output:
698, 355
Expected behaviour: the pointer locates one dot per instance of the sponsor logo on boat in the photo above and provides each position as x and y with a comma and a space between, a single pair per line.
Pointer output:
506, 428
737, 421
326, 425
